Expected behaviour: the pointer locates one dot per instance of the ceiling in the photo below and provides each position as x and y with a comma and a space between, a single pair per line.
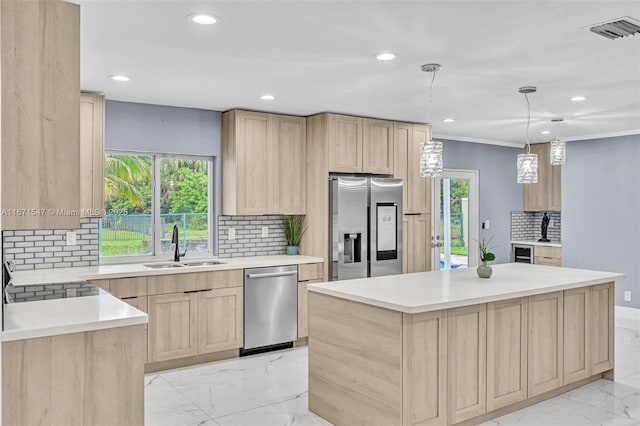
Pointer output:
317, 56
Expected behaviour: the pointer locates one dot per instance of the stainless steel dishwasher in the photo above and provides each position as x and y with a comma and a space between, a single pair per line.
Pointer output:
270, 306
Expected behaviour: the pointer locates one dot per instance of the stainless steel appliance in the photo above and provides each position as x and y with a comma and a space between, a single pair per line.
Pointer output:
270, 306
521, 253
365, 227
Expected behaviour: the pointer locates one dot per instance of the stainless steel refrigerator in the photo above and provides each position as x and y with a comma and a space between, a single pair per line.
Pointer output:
365, 227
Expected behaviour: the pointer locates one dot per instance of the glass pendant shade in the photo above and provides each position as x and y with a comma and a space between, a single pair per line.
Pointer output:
431, 158
558, 152
527, 168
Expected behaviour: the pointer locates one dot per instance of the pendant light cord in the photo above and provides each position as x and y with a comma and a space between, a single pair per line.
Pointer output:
431, 95
528, 122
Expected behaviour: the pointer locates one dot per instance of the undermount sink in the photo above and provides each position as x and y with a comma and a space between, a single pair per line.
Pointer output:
204, 263
163, 265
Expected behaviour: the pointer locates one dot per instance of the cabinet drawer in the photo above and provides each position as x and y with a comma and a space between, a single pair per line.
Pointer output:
548, 261
128, 287
175, 283
103, 284
309, 271
546, 251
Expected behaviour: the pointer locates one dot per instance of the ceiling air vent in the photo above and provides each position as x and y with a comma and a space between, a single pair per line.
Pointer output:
617, 28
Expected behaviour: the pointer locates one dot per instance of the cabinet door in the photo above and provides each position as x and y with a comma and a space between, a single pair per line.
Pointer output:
345, 144
91, 155
141, 304
425, 368
402, 141
377, 146
254, 162
506, 353
467, 358
220, 320
535, 194
40, 129
172, 328
419, 252
407, 242
545, 344
554, 190
420, 186
601, 327
576, 335
290, 156
303, 307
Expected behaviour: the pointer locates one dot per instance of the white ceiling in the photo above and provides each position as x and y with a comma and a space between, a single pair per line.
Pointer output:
317, 56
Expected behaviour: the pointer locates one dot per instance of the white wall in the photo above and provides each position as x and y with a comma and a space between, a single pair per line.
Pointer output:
601, 209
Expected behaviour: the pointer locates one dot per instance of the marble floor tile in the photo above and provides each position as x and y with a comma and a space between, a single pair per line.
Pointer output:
272, 390
166, 406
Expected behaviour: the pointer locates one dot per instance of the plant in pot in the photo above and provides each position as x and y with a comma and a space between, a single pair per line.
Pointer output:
294, 229
484, 270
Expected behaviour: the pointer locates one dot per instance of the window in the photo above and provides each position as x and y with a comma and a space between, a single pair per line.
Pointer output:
146, 195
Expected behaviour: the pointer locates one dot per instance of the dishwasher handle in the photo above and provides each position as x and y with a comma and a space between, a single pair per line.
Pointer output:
272, 274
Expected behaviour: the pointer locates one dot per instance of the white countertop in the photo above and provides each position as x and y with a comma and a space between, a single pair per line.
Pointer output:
65, 275
538, 243
431, 291
42, 318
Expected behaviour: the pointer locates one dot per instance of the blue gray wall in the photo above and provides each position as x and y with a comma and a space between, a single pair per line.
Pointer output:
170, 130
601, 210
499, 192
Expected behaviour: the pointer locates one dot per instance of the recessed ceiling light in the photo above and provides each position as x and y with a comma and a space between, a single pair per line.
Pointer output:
386, 56
204, 19
267, 97
450, 120
578, 99
546, 132
119, 77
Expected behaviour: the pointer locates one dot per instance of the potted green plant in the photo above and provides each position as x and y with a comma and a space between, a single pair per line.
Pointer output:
294, 229
484, 270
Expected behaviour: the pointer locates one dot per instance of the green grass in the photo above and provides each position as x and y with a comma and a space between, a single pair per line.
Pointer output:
459, 251
130, 243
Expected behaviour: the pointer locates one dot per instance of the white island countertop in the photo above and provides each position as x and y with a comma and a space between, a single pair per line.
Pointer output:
28, 320
432, 291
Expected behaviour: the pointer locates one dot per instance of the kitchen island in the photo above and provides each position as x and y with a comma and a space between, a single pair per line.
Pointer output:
446, 347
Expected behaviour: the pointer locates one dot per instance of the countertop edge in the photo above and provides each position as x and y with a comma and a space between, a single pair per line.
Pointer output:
317, 288
537, 243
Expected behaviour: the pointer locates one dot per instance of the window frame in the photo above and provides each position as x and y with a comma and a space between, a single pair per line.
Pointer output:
156, 158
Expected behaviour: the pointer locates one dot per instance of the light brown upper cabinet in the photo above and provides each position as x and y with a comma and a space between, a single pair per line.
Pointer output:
345, 143
377, 147
547, 193
40, 47
416, 189
416, 233
263, 158
91, 155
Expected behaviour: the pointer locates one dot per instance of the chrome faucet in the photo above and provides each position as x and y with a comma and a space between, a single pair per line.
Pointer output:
175, 240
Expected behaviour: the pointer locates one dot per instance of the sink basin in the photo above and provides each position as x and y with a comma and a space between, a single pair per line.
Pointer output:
163, 265
204, 263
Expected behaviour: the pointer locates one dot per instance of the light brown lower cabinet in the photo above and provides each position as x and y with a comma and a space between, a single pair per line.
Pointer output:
601, 327
220, 319
545, 343
303, 307
173, 322
425, 368
194, 323
467, 362
576, 335
506, 352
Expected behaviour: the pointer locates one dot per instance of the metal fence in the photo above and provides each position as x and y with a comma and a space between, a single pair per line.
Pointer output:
135, 227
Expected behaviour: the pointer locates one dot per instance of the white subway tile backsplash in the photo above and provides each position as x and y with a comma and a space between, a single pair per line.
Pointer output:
526, 226
46, 248
249, 241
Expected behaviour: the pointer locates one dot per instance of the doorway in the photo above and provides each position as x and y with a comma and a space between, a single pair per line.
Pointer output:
455, 220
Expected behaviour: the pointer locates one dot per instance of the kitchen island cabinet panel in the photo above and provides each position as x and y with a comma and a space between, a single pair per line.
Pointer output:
601, 327
506, 352
467, 362
545, 344
576, 335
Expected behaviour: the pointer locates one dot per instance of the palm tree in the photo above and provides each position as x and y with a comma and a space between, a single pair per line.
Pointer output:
121, 174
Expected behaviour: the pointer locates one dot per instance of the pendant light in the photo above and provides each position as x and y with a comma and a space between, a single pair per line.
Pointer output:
527, 164
430, 150
558, 147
